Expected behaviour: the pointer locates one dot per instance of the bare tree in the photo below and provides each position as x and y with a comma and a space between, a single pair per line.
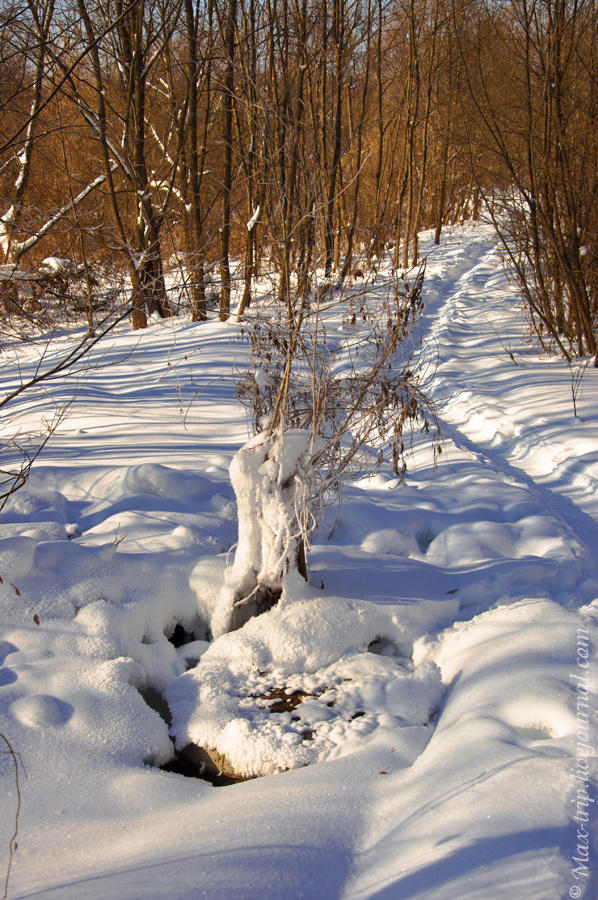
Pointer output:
229, 28
194, 151
28, 52
139, 170
36, 40
320, 409
537, 117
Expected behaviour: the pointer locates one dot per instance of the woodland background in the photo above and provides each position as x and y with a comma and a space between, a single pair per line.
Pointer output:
293, 139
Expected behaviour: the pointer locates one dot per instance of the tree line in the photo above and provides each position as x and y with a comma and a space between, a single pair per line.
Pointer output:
280, 137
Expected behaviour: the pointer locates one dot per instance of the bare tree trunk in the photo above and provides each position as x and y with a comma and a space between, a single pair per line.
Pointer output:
42, 12
198, 295
248, 65
358, 130
227, 137
130, 155
338, 26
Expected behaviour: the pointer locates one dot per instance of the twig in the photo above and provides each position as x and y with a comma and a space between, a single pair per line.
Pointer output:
12, 845
576, 382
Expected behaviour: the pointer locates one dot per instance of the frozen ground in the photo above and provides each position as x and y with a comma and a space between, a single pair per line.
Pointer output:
469, 770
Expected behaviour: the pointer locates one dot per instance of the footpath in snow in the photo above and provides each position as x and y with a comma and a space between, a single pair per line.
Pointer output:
452, 620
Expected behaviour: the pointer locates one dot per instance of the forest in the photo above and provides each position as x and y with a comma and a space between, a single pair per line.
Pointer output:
294, 140
298, 457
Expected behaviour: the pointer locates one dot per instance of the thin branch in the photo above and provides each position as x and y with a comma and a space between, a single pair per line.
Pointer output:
12, 844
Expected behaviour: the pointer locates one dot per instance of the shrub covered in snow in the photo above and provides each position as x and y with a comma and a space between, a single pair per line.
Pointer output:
325, 395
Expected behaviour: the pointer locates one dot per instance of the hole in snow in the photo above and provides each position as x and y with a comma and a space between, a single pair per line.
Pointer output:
180, 634
424, 538
157, 702
195, 762
191, 761
536, 733
383, 646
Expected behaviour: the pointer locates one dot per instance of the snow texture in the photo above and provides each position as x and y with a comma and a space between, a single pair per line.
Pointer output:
428, 702
272, 481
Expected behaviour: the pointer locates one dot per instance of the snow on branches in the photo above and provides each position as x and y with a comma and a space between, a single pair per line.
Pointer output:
336, 380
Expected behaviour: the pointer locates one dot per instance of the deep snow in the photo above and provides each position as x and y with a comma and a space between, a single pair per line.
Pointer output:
473, 747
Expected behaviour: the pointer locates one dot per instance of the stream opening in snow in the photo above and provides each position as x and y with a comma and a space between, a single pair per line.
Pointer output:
190, 761
193, 761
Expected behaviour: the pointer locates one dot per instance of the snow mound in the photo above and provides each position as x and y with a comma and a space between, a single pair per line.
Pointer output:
297, 686
160, 481
41, 710
37, 504
478, 541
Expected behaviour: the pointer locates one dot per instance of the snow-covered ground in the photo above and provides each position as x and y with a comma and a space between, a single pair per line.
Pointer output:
454, 759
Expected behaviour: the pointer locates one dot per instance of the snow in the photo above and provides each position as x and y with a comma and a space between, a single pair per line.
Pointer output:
314, 645
270, 477
445, 744
57, 265
253, 220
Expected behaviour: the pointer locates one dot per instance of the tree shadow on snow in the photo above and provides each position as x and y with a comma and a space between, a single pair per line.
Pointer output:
520, 856
244, 873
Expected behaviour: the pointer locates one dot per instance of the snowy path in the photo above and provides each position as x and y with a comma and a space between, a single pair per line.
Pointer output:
485, 569
489, 382
500, 434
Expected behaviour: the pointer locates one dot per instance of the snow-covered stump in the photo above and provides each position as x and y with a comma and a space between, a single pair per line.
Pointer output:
274, 483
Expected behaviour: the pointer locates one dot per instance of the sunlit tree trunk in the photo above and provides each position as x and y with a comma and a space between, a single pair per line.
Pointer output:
227, 139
